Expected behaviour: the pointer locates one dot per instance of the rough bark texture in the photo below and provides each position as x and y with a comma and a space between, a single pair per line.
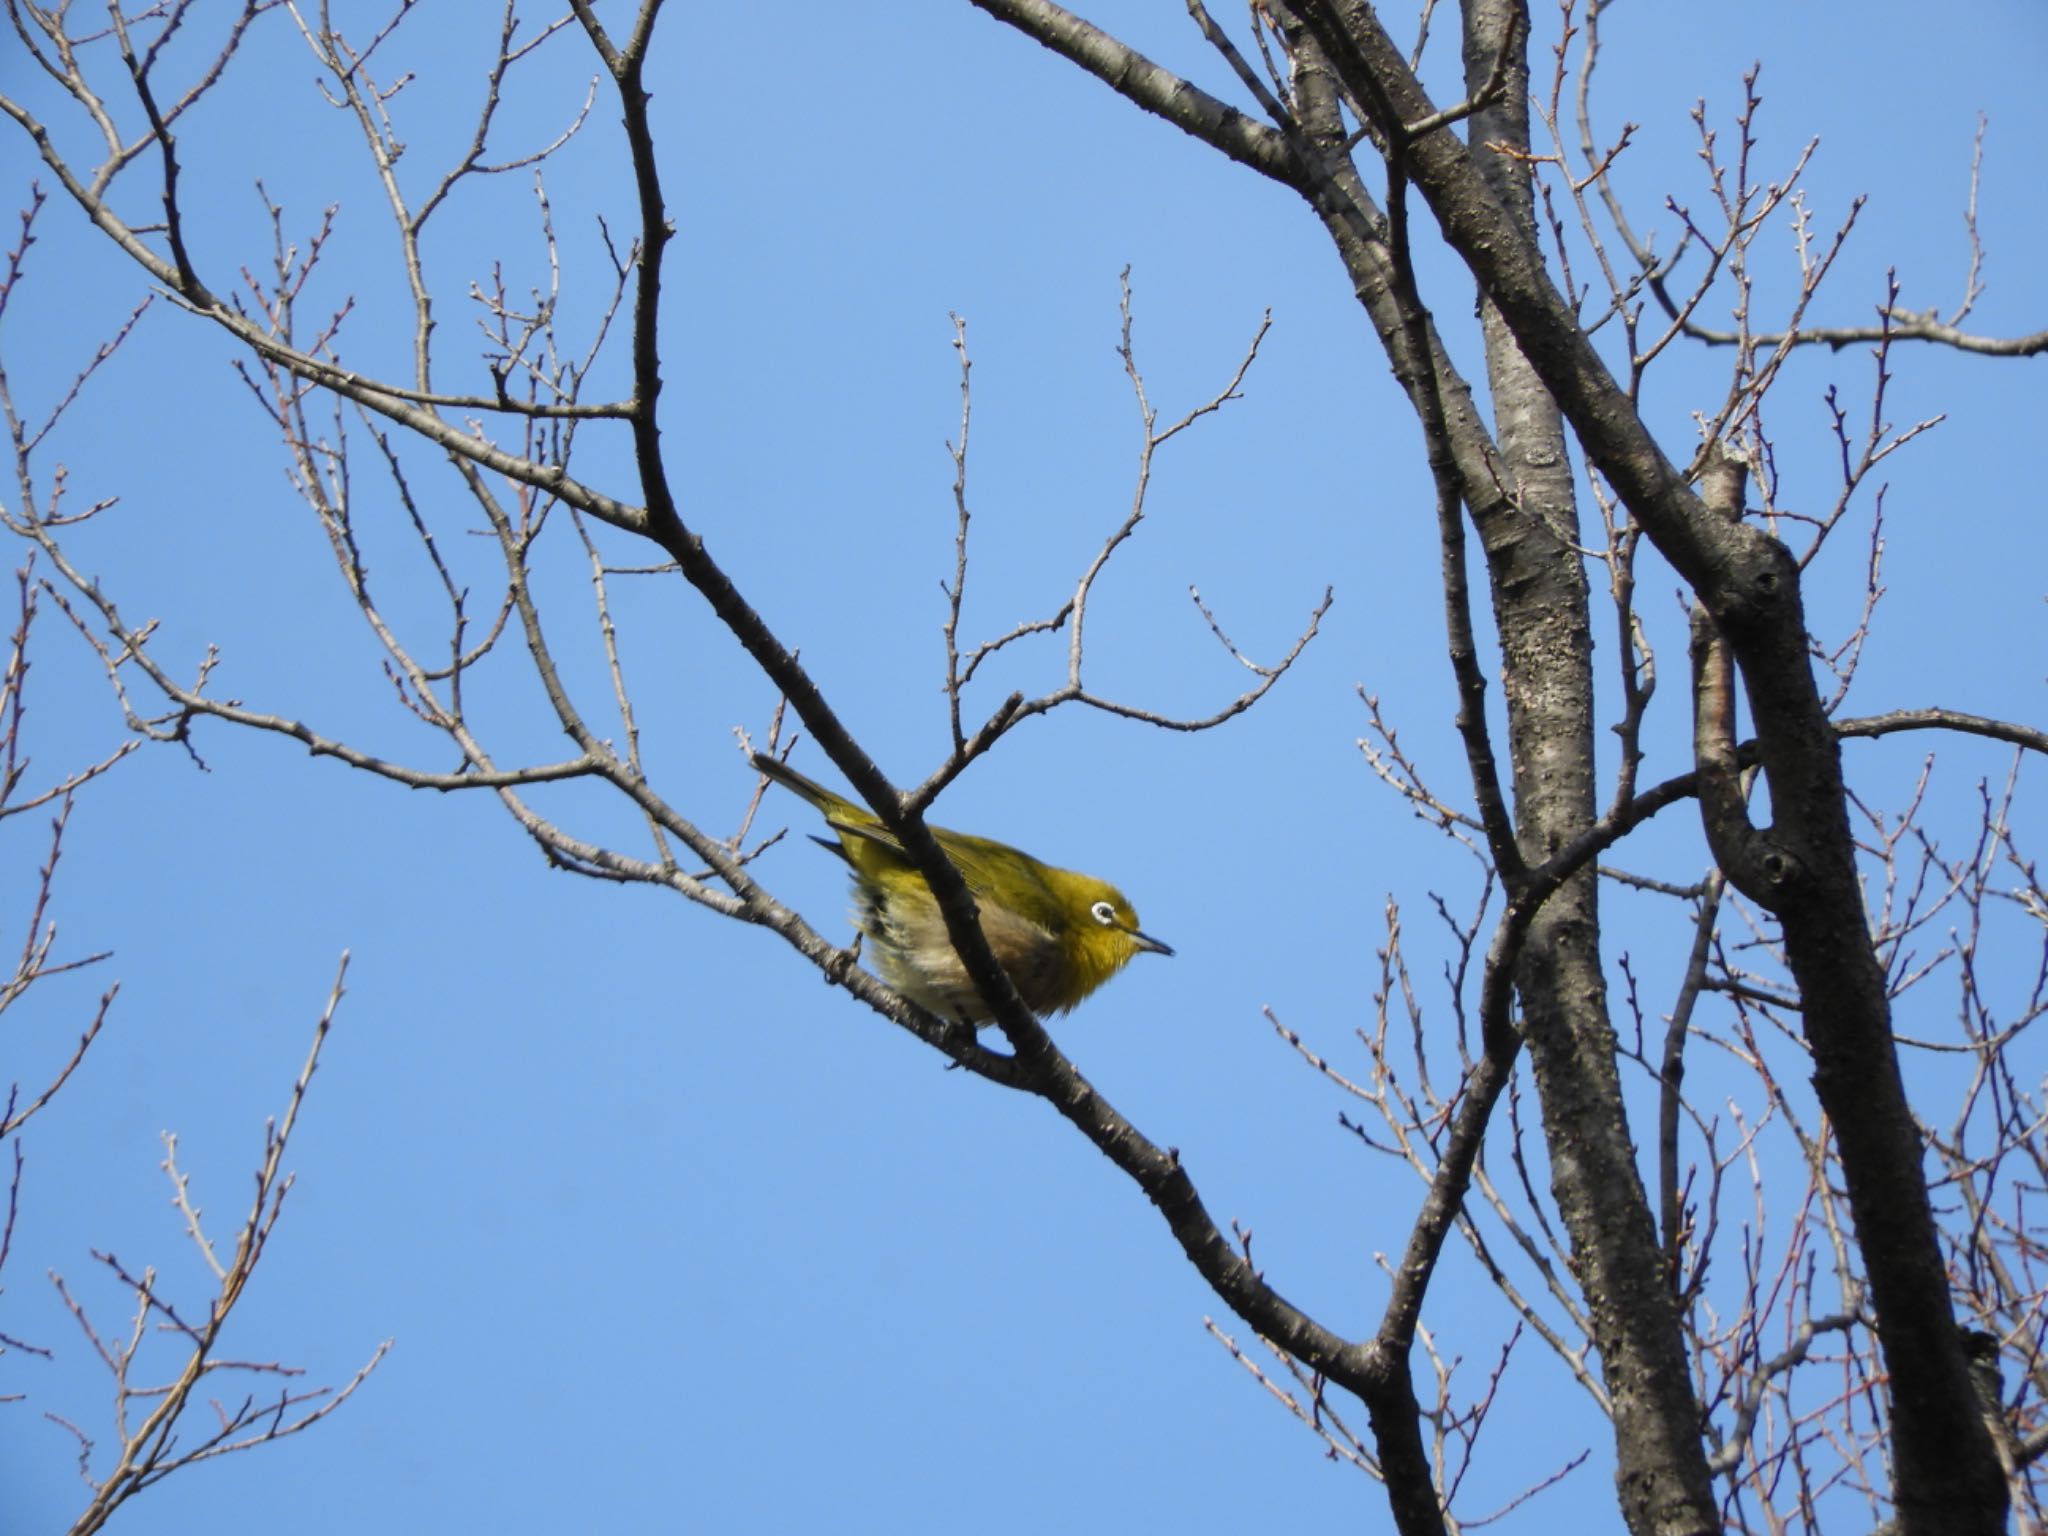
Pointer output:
1520, 496
1803, 866
1542, 611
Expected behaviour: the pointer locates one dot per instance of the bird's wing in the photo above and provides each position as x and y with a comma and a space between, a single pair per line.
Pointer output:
999, 875
996, 873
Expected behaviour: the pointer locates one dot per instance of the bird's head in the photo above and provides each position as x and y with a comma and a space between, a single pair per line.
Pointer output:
1101, 932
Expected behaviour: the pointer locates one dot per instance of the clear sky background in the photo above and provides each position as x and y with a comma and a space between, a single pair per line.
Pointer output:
669, 1235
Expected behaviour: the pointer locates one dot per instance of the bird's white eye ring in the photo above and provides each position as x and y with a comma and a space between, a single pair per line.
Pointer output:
1103, 913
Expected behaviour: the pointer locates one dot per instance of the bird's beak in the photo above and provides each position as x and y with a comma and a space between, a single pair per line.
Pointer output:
1147, 942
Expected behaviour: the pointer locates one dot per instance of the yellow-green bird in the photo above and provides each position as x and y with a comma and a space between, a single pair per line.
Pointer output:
1058, 934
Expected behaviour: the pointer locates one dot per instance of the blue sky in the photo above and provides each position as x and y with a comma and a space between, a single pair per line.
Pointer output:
669, 1235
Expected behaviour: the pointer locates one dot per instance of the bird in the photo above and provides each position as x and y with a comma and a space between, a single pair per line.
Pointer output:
1058, 934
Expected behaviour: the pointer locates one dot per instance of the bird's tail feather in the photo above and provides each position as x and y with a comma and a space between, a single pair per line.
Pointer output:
790, 779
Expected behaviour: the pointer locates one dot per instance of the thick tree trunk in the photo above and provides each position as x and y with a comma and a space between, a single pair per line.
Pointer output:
1802, 868
1543, 613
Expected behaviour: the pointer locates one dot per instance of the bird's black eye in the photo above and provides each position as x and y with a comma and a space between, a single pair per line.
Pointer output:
1103, 913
